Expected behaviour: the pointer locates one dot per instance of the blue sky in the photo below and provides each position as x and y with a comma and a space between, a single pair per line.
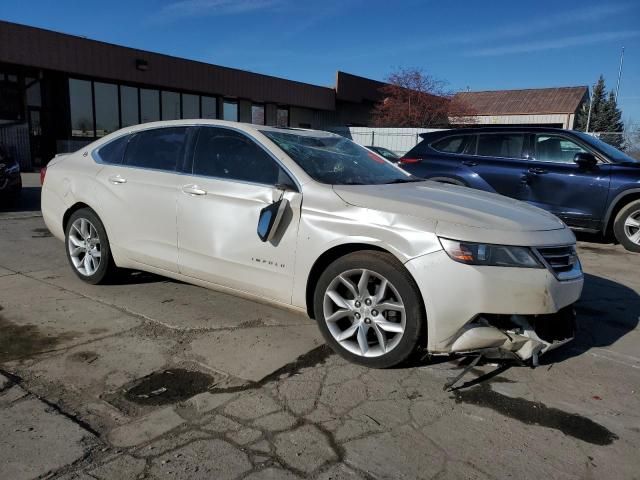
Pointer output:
481, 45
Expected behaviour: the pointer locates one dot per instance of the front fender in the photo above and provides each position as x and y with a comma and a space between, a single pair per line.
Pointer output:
403, 236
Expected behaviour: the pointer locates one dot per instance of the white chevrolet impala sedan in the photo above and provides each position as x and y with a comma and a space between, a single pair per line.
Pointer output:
384, 262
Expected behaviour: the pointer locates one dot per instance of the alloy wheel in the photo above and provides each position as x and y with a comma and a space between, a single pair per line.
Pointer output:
632, 227
84, 247
364, 312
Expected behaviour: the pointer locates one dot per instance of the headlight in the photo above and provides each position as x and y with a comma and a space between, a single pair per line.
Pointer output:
490, 255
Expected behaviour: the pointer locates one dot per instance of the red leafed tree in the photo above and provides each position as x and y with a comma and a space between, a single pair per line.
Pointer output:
415, 99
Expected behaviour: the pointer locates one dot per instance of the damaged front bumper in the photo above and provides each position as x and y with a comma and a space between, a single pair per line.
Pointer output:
522, 337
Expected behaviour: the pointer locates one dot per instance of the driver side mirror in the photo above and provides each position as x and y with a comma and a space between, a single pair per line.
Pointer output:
269, 219
585, 160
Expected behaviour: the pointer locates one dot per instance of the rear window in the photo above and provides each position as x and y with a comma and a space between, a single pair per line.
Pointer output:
113, 152
159, 149
503, 145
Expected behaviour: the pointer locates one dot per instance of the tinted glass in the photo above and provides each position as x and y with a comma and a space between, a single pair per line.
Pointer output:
149, 105
223, 153
129, 106
507, 145
282, 117
190, 106
159, 148
337, 161
230, 110
455, 144
113, 152
170, 106
107, 118
552, 148
209, 107
34, 97
81, 107
257, 114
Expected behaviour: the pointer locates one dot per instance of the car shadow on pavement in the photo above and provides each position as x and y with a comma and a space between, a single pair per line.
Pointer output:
606, 312
28, 201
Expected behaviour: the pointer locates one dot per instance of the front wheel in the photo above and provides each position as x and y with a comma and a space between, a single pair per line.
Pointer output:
369, 309
626, 226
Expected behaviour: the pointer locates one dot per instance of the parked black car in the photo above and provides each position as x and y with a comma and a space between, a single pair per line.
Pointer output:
589, 184
10, 180
386, 153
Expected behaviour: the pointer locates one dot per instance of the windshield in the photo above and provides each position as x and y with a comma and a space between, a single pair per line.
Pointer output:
338, 161
613, 153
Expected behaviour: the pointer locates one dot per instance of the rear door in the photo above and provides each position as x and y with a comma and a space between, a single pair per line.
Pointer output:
556, 183
498, 160
138, 201
232, 179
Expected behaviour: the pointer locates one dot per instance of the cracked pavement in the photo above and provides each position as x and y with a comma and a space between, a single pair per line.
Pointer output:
157, 379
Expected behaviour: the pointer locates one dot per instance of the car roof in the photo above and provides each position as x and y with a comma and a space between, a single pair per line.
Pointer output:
476, 130
246, 127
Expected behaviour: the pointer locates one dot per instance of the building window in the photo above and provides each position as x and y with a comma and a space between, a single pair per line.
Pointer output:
257, 114
106, 104
129, 106
190, 106
170, 106
230, 110
34, 98
209, 107
282, 117
81, 108
149, 105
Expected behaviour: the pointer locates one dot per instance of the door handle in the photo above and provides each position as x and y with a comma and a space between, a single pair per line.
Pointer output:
117, 179
469, 163
537, 171
193, 190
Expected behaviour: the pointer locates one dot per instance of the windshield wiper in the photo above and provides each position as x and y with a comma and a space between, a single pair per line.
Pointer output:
404, 180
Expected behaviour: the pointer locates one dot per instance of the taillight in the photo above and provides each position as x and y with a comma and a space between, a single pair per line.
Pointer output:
409, 160
43, 173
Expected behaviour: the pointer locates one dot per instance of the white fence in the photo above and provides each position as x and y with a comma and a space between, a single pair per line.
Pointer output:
399, 140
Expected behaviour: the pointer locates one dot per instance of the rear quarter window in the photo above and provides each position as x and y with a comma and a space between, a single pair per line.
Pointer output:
113, 152
455, 144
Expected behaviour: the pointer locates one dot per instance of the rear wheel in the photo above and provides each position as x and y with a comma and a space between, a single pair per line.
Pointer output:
626, 226
88, 248
369, 309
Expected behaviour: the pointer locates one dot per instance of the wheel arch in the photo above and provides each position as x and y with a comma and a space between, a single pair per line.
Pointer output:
618, 203
71, 210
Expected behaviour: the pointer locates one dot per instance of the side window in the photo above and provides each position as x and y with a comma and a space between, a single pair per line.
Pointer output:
504, 145
160, 149
227, 154
553, 148
113, 152
455, 144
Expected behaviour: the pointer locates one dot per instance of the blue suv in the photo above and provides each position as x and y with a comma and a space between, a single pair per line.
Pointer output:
589, 184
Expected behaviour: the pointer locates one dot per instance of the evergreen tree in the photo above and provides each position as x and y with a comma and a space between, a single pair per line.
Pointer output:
606, 117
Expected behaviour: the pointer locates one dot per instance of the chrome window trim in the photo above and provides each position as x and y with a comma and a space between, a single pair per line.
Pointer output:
96, 156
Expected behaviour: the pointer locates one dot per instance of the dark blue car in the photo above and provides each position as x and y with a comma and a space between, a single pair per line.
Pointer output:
589, 184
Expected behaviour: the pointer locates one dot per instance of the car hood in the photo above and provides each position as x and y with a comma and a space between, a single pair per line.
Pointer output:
453, 207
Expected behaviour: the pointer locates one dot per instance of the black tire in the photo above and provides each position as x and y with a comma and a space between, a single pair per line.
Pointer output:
631, 210
107, 269
389, 267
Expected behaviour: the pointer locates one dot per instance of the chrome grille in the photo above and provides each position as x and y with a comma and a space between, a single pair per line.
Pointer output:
562, 260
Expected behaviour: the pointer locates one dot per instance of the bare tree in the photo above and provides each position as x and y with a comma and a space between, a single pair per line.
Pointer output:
415, 99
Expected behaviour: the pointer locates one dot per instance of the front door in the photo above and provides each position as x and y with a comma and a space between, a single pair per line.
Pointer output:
556, 183
232, 179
